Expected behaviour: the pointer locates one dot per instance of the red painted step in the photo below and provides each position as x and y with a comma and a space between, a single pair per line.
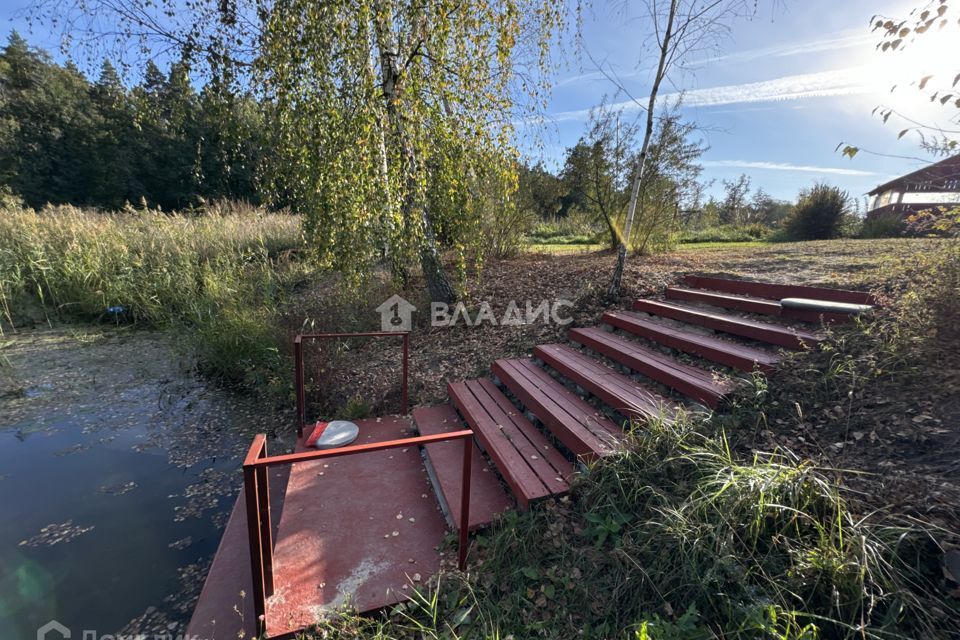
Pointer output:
762, 331
725, 300
701, 385
778, 291
752, 305
580, 427
531, 466
444, 462
630, 398
727, 353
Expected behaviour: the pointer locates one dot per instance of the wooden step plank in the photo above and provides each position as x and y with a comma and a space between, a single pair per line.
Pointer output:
699, 384
727, 353
774, 334
579, 426
522, 455
523, 482
445, 467
778, 291
617, 390
750, 304
725, 300
590, 418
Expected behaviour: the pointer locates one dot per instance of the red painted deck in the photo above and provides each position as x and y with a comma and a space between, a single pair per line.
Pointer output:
353, 530
221, 612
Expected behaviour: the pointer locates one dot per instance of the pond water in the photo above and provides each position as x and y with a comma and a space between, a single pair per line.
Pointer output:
117, 472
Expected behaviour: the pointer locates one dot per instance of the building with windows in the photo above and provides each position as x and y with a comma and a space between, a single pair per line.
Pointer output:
937, 185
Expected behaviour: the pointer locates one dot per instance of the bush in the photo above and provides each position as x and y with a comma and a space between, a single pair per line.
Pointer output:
724, 233
576, 228
934, 223
820, 214
888, 225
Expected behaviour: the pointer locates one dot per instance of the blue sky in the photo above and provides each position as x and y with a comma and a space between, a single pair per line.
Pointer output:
787, 88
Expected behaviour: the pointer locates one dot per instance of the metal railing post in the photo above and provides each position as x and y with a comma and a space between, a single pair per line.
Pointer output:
298, 382
404, 400
253, 503
266, 524
465, 502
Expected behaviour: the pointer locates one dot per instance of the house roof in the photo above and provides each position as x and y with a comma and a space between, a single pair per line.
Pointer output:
933, 176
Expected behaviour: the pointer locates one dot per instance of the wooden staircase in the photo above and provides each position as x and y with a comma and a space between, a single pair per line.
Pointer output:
540, 417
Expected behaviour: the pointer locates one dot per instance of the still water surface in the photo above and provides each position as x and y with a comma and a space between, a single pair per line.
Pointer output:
117, 471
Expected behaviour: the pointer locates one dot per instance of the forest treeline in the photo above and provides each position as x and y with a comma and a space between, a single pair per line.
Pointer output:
65, 138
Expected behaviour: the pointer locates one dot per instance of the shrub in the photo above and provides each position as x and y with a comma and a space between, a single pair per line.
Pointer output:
724, 233
820, 214
888, 225
935, 223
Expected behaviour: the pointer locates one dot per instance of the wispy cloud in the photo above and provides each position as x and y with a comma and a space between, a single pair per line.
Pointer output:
786, 166
834, 42
838, 82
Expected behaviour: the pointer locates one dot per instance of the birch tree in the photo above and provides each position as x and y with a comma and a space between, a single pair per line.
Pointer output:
381, 113
680, 29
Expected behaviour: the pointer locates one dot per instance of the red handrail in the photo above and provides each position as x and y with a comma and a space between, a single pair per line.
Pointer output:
257, 497
299, 375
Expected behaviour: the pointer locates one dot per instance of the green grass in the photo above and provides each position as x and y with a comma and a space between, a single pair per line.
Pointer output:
723, 233
699, 246
216, 278
563, 248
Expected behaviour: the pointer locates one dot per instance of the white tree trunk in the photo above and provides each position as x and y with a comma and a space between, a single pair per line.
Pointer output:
614, 291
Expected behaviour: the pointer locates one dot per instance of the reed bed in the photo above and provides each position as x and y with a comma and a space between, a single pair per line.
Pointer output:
217, 275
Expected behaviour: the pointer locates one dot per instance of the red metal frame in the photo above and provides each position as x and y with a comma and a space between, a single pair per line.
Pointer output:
298, 367
257, 496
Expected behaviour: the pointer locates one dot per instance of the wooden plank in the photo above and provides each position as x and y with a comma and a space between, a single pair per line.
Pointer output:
542, 456
581, 429
523, 482
445, 467
725, 300
778, 291
522, 463
700, 384
778, 335
727, 353
573, 404
618, 391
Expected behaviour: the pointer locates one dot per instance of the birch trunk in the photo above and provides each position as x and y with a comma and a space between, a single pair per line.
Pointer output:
438, 283
613, 293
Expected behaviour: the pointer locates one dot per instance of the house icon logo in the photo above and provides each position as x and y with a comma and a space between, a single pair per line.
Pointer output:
396, 314
53, 630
